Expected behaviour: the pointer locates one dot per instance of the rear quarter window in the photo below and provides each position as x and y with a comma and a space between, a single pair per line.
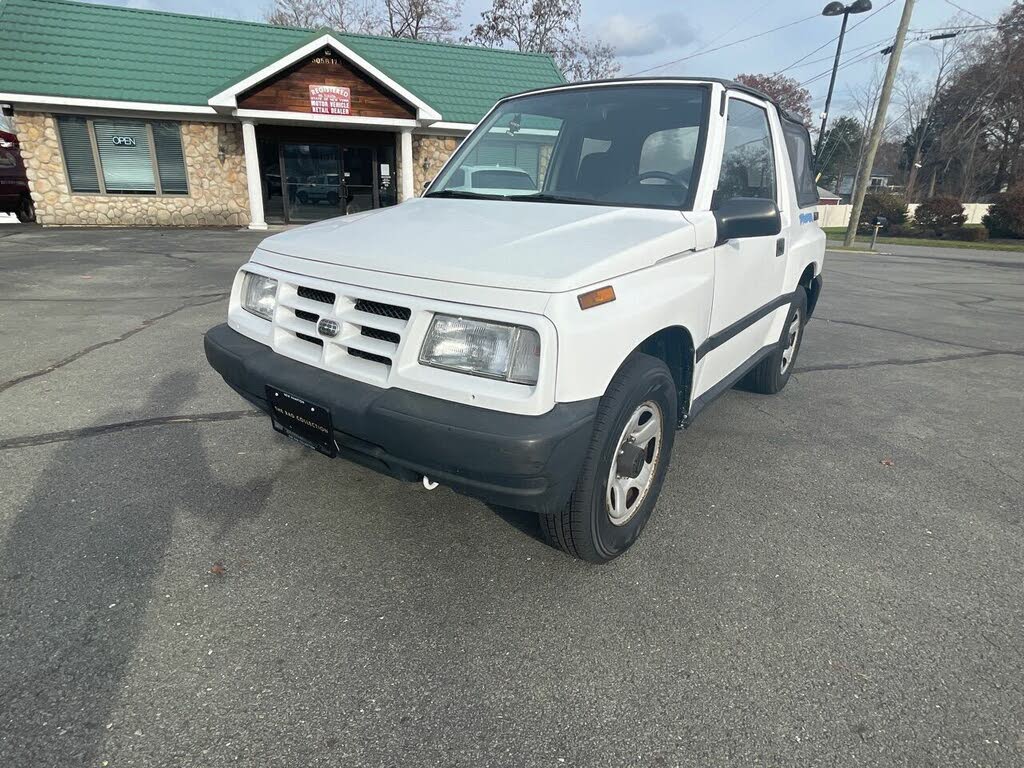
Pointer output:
798, 147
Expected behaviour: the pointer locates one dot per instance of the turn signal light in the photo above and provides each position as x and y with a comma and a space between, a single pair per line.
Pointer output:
596, 297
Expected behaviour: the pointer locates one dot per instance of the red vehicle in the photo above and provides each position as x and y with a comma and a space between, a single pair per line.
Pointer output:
14, 194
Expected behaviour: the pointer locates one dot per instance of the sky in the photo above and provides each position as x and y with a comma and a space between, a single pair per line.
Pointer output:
660, 32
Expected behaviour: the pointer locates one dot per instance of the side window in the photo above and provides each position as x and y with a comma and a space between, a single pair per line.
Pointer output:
670, 151
748, 162
798, 145
592, 147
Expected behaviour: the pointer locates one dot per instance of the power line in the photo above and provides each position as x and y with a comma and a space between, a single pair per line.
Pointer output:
856, 60
830, 57
761, 7
723, 47
969, 13
823, 45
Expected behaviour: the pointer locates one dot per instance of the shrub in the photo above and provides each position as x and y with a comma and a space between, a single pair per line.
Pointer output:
892, 207
1006, 216
940, 216
970, 234
902, 230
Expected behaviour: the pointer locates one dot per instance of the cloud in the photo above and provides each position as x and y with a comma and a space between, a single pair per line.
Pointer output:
631, 37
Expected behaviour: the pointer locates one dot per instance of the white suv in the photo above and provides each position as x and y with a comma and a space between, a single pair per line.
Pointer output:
538, 348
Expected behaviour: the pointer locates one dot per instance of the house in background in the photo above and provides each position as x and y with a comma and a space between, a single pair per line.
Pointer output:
881, 181
828, 198
138, 117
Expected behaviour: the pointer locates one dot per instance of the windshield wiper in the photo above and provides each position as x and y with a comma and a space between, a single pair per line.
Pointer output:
543, 197
463, 194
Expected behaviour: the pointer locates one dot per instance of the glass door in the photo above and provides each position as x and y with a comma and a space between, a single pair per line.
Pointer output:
312, 177
359, 185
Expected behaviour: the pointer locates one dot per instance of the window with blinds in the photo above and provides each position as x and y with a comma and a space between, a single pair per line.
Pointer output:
79, 158
123, 156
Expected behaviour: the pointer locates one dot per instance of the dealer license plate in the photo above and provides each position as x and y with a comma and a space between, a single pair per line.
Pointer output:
301, 420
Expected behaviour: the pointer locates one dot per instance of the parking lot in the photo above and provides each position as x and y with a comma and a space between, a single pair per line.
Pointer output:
834, 576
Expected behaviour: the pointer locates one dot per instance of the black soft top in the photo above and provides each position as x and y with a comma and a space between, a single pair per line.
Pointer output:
730, 84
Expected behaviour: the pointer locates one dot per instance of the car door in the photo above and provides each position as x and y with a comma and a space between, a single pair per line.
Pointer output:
749, 272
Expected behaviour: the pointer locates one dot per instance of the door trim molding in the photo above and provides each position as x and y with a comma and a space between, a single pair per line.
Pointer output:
716, 340
727, 383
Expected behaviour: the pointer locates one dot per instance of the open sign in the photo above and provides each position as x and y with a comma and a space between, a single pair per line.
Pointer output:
123, 141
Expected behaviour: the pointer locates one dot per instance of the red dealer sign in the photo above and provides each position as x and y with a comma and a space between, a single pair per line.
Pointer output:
330, 99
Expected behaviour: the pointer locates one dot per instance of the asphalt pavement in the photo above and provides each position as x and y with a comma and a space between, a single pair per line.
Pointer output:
834, 575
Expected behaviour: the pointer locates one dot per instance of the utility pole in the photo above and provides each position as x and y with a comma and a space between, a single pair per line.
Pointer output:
879, 125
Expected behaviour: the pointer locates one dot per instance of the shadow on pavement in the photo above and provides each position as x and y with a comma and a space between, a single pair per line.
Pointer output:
79, 567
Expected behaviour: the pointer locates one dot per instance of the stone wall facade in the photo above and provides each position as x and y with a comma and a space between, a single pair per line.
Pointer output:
429, 154
218, 195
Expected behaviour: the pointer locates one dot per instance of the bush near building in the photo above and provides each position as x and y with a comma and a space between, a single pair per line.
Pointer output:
972, 234
1005, 218
940, 216
892, 207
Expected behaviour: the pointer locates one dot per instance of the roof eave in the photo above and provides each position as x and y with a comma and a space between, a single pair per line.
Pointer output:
227, 99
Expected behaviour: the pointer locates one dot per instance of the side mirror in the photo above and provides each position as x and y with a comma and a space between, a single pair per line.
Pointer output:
747, 217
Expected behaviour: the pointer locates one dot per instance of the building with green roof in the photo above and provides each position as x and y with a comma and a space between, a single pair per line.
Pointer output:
129, 116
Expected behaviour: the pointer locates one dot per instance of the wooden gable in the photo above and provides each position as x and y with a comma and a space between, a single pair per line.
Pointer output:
289, 90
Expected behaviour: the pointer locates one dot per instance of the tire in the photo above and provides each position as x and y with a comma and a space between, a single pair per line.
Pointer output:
643, 390
26, 212
770, 375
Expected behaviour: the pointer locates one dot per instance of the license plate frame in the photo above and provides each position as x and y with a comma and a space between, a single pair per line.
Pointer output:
305, 422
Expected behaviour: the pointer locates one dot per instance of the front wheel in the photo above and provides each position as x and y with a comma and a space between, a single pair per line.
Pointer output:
625, 465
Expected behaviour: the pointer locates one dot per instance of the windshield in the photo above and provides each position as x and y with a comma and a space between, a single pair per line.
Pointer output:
622, 145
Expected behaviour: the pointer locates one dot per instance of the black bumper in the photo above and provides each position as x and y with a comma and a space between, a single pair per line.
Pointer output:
523, 462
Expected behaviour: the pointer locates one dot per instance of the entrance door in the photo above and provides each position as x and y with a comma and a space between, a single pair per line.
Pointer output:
359, 187
313, 180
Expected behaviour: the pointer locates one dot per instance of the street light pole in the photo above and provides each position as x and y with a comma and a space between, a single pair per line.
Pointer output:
834, 9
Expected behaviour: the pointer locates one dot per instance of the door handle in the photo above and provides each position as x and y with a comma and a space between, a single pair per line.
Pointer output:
780, 246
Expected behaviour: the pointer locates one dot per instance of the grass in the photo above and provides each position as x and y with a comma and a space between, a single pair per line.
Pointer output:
864, 241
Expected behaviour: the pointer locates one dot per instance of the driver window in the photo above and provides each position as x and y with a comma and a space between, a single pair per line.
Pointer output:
748, 163
671, 151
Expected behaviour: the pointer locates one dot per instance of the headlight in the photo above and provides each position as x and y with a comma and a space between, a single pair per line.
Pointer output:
259, 295
495, 350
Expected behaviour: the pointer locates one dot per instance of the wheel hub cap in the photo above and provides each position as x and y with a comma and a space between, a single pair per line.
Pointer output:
792, 336
635, 463
631, 460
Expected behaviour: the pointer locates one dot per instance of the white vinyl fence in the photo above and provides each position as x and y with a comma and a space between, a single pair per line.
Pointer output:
839, 215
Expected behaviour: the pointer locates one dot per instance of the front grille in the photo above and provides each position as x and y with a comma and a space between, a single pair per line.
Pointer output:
324, 297
370, 330
377, 333
385, 310
310, 339
369, 356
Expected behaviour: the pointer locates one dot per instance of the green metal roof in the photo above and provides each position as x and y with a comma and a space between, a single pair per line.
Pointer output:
79, 50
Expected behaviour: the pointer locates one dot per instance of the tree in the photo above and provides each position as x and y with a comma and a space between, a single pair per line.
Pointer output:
786, 91
840, 151
974, 144
416, 19
545, 26
422, 19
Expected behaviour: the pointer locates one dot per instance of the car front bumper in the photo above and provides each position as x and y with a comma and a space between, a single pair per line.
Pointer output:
522, 462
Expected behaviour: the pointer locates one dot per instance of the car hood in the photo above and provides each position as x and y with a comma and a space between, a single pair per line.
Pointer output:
544, 247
